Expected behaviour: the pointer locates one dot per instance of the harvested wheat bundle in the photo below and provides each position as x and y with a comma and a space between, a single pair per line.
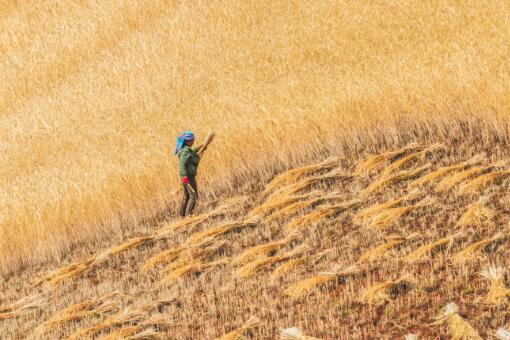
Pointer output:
297, 173
381, 293
474, 252
239, 334
190, 269
294, 333
270, 206
498, 293
502, 334
379, 251
199, 237
256, 265
294, 263
440, 173
476, 215
306, 184
411, 336
23, 306
410, 158
301, 205
376, 161
193, 255
128, 315
130, 244
483, 181
306, 286
373, 210
458, 328
189, 221
135, 332
148, 334
394, 179
321, 213
105, 304
451, 181
425, 252
65, 272
386, 217
264, 249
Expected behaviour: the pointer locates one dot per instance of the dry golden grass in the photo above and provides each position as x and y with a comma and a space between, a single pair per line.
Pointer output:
381, 252
476, 215
451, 181
394, 179
376, 161
294, 333
239, 333
427, 251
476, 251
483, 181
399, 164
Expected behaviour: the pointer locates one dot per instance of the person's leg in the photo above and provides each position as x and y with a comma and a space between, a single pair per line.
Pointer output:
193, 194
185, 199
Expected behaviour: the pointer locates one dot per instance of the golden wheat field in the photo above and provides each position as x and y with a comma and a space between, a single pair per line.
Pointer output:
357, 187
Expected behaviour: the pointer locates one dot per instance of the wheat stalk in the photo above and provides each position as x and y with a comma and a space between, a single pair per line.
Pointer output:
105, 304
376, 161
473, 252
238, 334
199, 237
483, 181
321, 213
502, 334
23, 306
264, 249
381, 293
379, 251
458, 328
451, 181
306, 286
270, 206
258, 264
373, 210
293, 263
138, 331
297, 173
410, 158
440, 173
189, 269
425, 252
394, 179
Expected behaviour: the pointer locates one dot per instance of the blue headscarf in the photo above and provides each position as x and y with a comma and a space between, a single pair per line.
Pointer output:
183, 138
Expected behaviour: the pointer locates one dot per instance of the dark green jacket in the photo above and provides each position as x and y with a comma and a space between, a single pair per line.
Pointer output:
188, 162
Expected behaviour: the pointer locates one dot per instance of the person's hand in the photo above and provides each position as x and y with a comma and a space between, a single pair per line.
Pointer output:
185, 180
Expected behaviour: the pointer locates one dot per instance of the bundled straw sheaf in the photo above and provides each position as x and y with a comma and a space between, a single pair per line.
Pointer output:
394, 179
268, 207
294, 333
451, 181
297, 173
498, 292
381, 293
376, 161
475, 251
483, 181
385, 218
306, 183
106, 304
142, 330
239, 334
128, 315
23, 306
258, 264
438, 174
306, 286
399, 164
225, 228
427, 251
264, 249
458, 328
380, 252
476, 215
189, 269
371, 211
294, 263
320, 214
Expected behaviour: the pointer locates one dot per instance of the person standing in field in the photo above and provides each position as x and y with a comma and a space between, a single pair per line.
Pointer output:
189, 158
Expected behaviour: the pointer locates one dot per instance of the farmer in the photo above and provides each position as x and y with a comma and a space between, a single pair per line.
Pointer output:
189, 158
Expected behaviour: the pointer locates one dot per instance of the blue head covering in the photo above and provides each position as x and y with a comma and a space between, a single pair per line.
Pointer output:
182, 138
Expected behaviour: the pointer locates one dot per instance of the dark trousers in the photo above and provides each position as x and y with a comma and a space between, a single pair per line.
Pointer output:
190, 196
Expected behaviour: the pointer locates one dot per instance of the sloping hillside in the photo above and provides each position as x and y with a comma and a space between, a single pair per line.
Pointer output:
340, 249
